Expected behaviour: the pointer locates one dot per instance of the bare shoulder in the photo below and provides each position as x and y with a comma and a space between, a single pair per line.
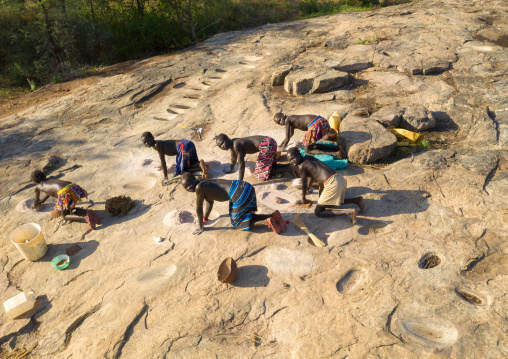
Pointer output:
203, 185
237, 144
158, 146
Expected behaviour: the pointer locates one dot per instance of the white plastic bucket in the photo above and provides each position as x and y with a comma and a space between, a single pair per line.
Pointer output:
29, 240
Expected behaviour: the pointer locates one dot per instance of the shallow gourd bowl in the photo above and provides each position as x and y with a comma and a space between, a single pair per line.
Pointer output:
228, 271
297, 183
61, 262
279, 153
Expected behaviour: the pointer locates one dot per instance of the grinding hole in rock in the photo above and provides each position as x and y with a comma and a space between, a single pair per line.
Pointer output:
139, 185
469, 297
429, 260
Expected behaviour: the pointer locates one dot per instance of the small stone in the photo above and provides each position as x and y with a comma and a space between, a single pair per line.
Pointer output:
279, 200
360, 112
277, 186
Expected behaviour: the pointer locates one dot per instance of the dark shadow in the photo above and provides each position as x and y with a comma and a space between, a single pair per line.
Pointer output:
251, 276
108, 220
29, 142
354, 84
56, 249
42, 306
443, 122
366, 226
69, 169
391, 203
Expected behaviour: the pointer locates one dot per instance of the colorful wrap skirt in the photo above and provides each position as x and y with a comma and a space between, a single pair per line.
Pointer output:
266, 159
316, 130
242, 202
69, 196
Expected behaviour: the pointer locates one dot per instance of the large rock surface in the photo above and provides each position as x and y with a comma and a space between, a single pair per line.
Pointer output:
422, 275
365, 140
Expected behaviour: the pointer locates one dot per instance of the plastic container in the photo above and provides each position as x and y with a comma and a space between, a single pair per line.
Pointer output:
19, 304
29, 240
334, 121
61, 262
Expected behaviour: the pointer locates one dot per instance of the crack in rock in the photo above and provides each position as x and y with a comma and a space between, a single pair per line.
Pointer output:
76, 277
76, 324
128, 332
489, 177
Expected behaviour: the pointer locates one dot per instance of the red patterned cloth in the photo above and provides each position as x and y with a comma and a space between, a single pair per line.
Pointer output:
266, 158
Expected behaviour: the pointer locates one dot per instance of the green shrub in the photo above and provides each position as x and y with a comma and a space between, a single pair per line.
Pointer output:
32, 84
56, 79
33, 45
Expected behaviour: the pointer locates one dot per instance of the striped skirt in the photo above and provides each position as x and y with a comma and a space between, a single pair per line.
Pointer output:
242, 202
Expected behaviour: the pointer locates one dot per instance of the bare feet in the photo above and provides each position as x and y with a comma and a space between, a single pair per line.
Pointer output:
352, 215
204, 168
361, 204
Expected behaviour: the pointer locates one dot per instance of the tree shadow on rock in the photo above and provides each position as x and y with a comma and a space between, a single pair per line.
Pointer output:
252, 276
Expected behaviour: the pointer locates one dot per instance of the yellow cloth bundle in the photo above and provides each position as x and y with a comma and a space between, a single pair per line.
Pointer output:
406, 137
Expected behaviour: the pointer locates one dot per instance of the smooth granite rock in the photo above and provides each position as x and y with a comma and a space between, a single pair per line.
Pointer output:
365, 140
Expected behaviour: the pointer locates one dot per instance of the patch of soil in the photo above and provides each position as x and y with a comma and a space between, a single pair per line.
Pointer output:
72, 250
119, 205
20, 99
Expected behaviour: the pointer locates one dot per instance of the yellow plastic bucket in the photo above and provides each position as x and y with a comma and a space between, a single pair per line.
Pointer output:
29, 241
334, 121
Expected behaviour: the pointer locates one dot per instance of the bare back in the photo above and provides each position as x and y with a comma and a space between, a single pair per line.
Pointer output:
299, 122
213, 190
167, 148
52, 186
317, 170
247, 145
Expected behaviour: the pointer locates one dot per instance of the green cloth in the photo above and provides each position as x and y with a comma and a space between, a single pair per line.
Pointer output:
331, 161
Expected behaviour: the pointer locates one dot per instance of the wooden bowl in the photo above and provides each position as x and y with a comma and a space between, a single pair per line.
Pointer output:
227, 271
